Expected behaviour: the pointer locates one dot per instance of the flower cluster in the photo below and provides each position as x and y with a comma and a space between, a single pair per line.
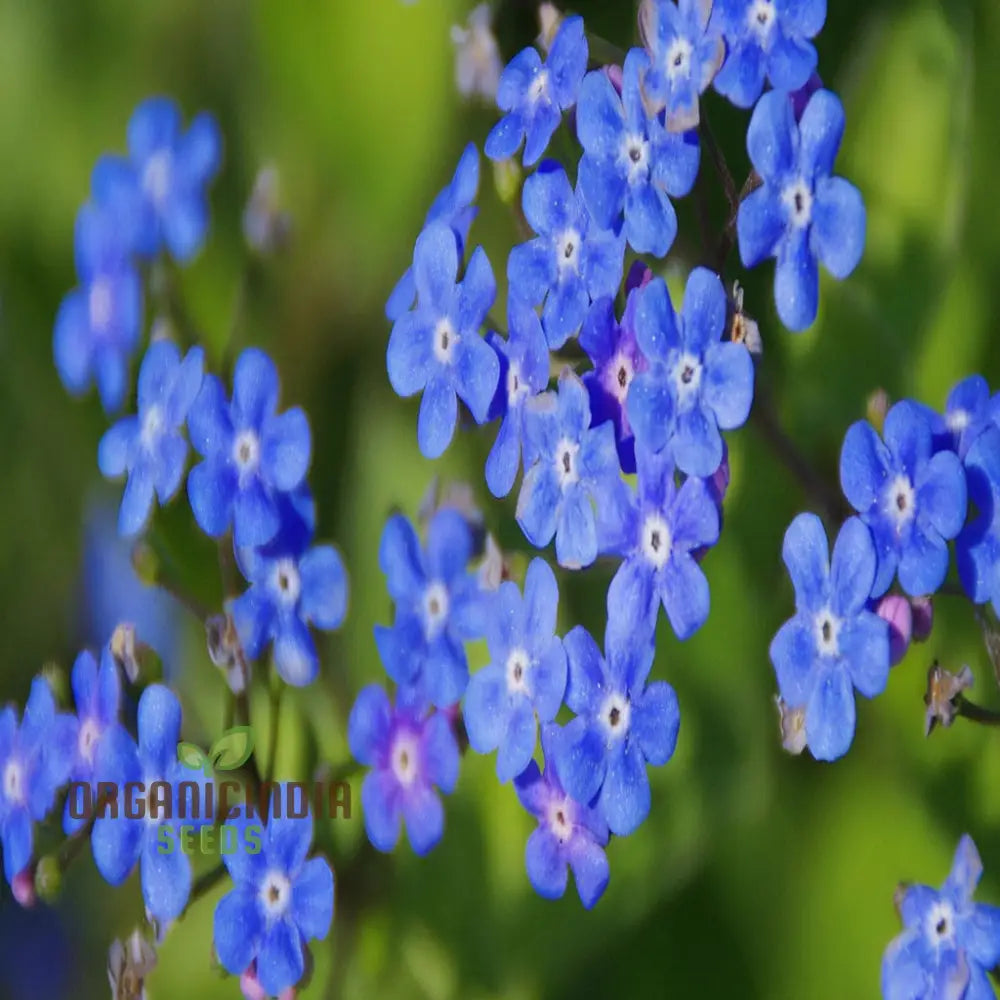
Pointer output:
911, 487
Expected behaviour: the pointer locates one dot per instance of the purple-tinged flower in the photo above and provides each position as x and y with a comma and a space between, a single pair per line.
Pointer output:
698, 384
280, 900
913, 501
686, 51
436, 348
949, 944
439, 606
98, 324
833, 644
571, 262
35, 760
410, 756
630, 162
801, 213
526, 675
659, 532
119, 839
614, 352
977, 548
569, 835
970, 409
769, 39
97, 695
150, 447
897, 612
572, 468
524, 372
478, 66
251, 453
454, 206
535, 94
621, 725
159, 191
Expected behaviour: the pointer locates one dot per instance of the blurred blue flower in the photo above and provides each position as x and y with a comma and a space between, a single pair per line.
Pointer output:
410, 756
526, 675
977, 548
630, 163
524, 372
571, 261
766, 38
698, 384
280, 900
437, 348
913, 501
454, 207
252, 454
150, 447
98, 325
35, 760
800, 213
534, 94
949, 944
686, 51
969, 410
571, 467
569, 834
439, 606
622, 723
834, 643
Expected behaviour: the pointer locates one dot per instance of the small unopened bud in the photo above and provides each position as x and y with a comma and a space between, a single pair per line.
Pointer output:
493, 570
639, 275
129, 963
22, 885
162, 328
145, 563
226, 651
549, 19
477, 56
57, 681
896, 611
876, 408
507, 180
266, 227
126, 651
944, 690
742, 328
792, 722
923, 618
48, 879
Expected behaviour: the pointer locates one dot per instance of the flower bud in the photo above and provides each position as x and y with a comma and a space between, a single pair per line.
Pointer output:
57, 681
943, 692
923, 618
792, 722
507, 180
876, 408
896, 611
23, 888
48, 879
266, 227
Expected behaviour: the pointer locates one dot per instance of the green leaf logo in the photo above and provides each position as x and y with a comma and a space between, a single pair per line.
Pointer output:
232, 749
193, 757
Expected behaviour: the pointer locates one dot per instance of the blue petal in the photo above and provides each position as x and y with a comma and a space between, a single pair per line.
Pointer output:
741, 78
804, 17
280, 962
599, 120
402, 297
576, 530
852, 567
435, 265
440, 752
538, 504
505, 456
820, 130
255, 515
401, 560
200, 149
728, 385
155, 124
703, 311
760, 224
449, 545
696, 443
565, 310
368, 725
650, 408
477, 373
655, 323
864, 646
166, 881
288, 842
295, 653
590, 869
424, 816
685, 593
586, 672
790, 62
446, 672
806, 554
545, 864
676, 162
602, 262
16, 839
517, 77
550, 673
185, 222
324, 587
477, 294
137, 500
830, 715
71, 342
379, 803
771, 136
518, 744
695, 515
159, 724
410, 358
209, 425
170, 461
650, 220
632, 601
541, 599
402, 648
793, 653
237, 929
863, 466
540, 125
243, 867
531, 269
437, 417
114, 453
505, 137
796, 281
285, 450
603, 189
903, 975
580, 759
923, 563
625, 796
255, 389
111, 375
838, 232
548, 200
485, 709
567, 60
941, 494
312, 899
655, 722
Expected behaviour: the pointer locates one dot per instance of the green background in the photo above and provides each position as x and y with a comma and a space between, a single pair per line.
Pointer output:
756, 872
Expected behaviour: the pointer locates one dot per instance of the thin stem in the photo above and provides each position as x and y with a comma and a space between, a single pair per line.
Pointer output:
277, 689
976, 713
205, 883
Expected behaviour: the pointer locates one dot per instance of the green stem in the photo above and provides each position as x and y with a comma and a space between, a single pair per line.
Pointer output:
976, 713
277, 689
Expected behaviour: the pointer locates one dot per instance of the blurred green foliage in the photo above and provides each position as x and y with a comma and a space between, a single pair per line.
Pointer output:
756, 872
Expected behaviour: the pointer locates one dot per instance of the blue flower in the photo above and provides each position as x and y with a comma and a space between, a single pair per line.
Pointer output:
97, 695
280, 900
630, 162
913, 501
410, 756
615, 355
150, 447
98, 325
660, 532
290, 588
524, 372
622, 723
158, 192
35, 760
571, 468
698, 383
949, 943
834, 643
970, 409
534, 94
437, 347
439, 606
977, 548
569, 834
800, 213
120, 840
571, 262
454, 207
526, 674
686, 51
252, 454
766, 38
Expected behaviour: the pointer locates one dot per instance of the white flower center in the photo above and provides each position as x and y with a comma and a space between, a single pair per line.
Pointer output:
87, 740
518, 664
616, 714
635, 155
568, 251
656, 540
559, 819
619, 376
445, 340
287, 582
156, 178
900, 500
761, 17
246, 452
678, 61
13, 782
403, 759
152, 427
275, 894
566, 462
100, 304
435, 608
539, 87
940, 927
687, 379
798, 200
517, 388
827, 627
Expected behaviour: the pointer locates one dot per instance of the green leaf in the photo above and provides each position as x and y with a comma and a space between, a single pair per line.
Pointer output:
233, 748
191, 756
